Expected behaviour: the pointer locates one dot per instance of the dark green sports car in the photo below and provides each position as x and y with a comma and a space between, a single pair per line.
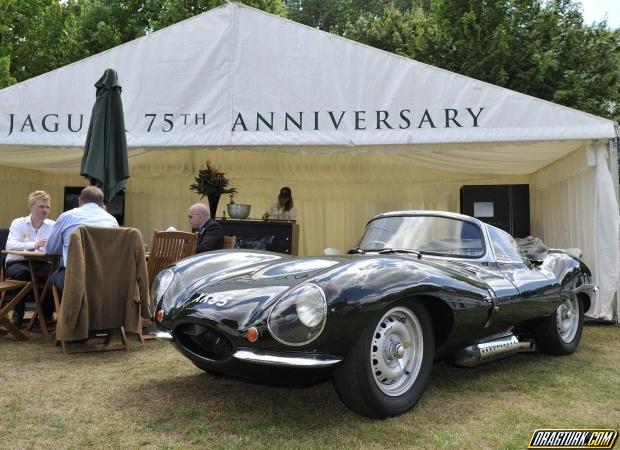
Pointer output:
420, 286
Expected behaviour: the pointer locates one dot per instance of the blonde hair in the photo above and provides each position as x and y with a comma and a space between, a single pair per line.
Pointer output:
36, 196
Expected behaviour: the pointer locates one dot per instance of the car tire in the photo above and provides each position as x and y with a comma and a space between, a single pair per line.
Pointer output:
387, 370
560, 333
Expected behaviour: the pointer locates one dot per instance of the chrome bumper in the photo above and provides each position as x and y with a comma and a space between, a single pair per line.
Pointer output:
163, 336
270, 359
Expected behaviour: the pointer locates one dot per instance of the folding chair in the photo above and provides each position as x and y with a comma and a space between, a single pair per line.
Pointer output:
10, 285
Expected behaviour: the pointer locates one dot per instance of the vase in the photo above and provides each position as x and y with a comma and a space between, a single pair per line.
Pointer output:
213, 201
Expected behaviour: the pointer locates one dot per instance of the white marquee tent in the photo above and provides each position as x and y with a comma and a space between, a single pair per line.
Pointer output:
353, 130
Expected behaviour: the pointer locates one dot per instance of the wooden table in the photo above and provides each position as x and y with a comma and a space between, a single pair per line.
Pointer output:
39, 294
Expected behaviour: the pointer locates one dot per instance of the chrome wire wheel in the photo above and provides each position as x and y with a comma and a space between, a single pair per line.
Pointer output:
396, 351
567, 316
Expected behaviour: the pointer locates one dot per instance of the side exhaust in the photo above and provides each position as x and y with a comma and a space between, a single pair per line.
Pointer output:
502, 347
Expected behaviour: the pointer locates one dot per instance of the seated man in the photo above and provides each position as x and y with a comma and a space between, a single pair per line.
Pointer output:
210, 233
89, 212
30, 233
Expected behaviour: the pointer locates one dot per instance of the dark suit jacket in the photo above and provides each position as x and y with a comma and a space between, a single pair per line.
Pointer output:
210, 237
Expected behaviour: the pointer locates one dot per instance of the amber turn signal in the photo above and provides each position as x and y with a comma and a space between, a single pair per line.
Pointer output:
159, 315
252, 334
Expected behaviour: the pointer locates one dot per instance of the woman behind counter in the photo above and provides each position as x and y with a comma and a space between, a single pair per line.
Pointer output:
283, 209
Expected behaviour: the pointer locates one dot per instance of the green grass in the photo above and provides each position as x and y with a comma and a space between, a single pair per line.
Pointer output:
152, 397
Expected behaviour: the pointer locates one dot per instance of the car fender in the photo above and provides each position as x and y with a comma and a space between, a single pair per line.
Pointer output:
358, 292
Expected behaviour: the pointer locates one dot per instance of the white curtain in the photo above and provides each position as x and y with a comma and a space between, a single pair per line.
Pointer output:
574, 205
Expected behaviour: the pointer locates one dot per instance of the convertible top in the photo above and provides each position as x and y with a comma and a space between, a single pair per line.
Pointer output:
533, 248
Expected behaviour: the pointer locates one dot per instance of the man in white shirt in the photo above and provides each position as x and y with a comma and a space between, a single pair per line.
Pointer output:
30, 233
90, 212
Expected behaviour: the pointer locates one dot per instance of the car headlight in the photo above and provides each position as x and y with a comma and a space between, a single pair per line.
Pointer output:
160, 286
299, 316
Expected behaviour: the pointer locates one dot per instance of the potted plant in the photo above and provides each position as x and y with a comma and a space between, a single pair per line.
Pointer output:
212, 183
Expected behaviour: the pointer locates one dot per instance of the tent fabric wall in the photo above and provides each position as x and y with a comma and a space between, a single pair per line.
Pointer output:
574, 206
187, 86
336, 195
208, 80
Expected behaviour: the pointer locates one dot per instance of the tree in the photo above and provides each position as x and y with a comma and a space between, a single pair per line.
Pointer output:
31, 38
534, 47
333, 15
159, 14
538, 47
5, 72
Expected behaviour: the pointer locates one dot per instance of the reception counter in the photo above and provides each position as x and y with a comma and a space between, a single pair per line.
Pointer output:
272, 235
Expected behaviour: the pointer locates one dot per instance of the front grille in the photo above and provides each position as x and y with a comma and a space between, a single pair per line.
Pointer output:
204, 341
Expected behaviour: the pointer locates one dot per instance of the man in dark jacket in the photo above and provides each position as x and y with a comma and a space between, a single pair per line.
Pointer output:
210, 233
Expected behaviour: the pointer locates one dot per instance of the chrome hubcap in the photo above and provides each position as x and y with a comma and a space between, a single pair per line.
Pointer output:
567, 316
396, 351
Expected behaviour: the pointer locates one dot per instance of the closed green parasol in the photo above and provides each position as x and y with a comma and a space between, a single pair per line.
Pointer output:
104, 162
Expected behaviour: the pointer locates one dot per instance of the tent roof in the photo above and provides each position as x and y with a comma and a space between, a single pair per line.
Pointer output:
236, 76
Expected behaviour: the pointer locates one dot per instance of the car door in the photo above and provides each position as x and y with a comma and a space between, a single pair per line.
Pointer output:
538, 288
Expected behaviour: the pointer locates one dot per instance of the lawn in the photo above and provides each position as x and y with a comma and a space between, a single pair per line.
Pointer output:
152, 397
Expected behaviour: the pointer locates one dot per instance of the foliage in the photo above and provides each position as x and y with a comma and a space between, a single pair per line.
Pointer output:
540, 48
211, 181
537, 47
32, 38
161, 13
329, 15
5, 73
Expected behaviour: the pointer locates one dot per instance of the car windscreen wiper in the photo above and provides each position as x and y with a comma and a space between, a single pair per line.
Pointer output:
387, 251
356, 251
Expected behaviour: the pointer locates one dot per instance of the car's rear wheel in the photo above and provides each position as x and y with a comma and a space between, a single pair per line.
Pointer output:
388, 368
560, 333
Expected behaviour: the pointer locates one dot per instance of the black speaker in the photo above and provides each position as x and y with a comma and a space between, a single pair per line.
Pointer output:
116, 207
506, 206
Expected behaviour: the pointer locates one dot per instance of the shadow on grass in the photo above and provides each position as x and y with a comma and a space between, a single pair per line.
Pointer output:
177, 402
196, 396
181, 399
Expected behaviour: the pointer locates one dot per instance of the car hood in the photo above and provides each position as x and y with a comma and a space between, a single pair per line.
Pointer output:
238, 297
241, 295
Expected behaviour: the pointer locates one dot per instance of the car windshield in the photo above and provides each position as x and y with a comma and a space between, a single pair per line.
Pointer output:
425, 234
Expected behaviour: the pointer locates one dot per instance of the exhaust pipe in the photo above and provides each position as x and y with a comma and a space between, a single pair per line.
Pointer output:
502, 347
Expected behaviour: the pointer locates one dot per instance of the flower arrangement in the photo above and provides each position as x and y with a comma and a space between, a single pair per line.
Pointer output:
211, 181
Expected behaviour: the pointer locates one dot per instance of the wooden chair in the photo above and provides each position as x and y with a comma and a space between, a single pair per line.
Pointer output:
230, 241
110, 311
168, 247
12, 285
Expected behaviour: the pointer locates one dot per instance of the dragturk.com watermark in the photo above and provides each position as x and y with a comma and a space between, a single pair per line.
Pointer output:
573, 438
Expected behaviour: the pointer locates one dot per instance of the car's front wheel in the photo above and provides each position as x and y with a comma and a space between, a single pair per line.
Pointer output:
388, 368
560, 333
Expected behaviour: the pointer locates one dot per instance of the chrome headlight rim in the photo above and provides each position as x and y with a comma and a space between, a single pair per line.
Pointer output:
162, 283
284, 298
